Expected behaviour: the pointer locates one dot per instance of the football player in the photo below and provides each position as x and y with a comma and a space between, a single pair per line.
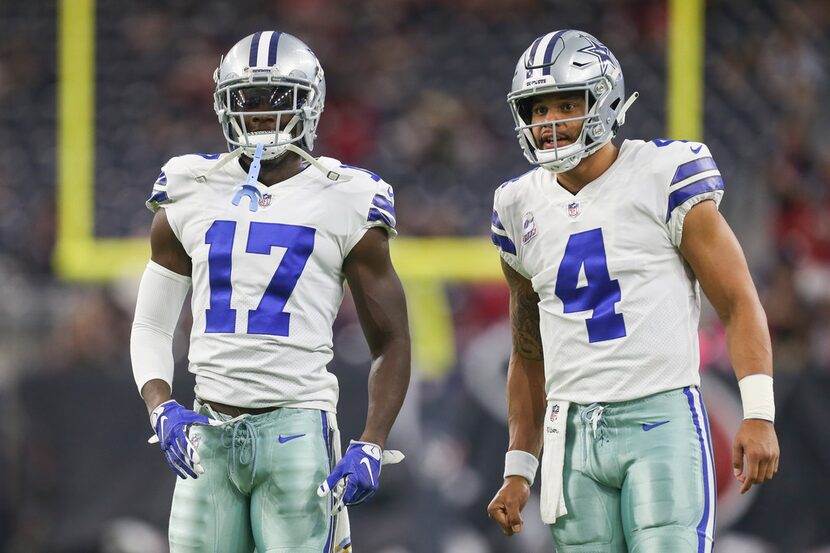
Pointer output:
265, 236
605, 250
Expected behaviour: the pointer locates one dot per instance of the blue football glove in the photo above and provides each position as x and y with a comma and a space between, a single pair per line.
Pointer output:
360, 470
171, 423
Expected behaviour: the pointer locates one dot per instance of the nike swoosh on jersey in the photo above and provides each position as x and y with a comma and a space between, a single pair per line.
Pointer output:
284, 439
647, 427
696, 150
368, 468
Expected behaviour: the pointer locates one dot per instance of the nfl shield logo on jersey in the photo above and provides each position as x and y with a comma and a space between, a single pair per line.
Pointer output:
528, 227
573, 209
554, 412
265, 200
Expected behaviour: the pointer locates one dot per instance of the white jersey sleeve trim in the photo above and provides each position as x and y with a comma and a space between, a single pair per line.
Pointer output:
161, 295
514, 264
679, 214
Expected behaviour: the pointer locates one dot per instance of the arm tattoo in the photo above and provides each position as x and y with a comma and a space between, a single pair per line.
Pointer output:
524, 316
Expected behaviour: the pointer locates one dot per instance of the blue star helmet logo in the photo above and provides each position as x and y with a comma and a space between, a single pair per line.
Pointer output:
598, 50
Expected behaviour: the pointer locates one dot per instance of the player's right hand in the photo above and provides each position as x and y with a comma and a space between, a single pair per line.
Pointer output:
171, 424
507, 505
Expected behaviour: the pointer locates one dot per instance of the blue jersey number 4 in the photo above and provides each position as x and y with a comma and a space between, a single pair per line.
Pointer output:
599, 294
269, 317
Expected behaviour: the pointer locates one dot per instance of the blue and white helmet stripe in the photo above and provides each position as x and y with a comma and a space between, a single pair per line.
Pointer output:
547, 61
263, 50
531, 56
541, 54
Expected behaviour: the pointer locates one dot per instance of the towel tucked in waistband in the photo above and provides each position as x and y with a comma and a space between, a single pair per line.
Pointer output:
552, 503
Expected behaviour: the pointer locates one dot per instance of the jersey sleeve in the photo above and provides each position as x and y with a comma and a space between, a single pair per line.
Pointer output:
694, 178
381, 210
377, 209
502, 237
179, 178
159, 197
172, 187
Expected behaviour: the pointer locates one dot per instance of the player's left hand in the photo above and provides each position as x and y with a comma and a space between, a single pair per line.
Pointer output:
360, 469
757, 443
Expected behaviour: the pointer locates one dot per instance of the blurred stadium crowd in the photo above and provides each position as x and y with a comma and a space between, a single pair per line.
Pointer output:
416, 93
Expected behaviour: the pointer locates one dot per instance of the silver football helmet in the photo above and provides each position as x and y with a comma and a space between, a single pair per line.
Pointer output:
275, 71
571, 61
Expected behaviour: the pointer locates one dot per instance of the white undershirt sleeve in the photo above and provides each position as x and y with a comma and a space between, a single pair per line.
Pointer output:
161, 295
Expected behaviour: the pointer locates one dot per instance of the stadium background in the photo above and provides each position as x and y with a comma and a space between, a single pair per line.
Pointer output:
415, 93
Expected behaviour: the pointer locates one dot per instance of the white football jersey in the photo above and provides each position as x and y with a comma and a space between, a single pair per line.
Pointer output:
267, 273
619, 307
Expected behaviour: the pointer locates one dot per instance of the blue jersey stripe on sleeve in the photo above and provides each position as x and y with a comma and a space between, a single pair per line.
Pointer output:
691, 190
692, 168
383, 203
377, 215
503, 242
158, 198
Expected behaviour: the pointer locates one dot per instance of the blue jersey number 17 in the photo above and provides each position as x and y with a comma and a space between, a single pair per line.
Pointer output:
269, 317
599, 294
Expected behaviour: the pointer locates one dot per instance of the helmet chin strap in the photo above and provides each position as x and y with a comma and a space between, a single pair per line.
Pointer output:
258, 155
329, 173
219, 164
289, 147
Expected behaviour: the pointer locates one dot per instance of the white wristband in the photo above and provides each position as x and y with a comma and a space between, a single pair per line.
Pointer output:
757, 397
520, 463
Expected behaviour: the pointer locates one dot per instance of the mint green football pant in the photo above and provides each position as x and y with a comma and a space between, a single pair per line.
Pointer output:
259, 489
638, 477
